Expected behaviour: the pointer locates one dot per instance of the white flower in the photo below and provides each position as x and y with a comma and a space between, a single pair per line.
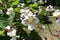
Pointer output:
13, 33
26, 11
8, 27
29, 19
36, 20
56, 13
1, 11
30, 13
24, 23
57, 20
18, 36
9, 11
18, 5
21, 5
30, 27
45, 1
43, 38
43, 27
22, 11
50, 8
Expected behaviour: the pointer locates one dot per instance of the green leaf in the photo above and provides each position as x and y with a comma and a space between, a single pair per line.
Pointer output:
10, 0
0, 1
35, 6
1, 32
17, 10
11, 18
3, 23
15, 2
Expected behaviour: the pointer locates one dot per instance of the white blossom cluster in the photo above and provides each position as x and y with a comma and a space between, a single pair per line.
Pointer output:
9, 11
50, 8
56, 13
11, 32
21, 5
28, 18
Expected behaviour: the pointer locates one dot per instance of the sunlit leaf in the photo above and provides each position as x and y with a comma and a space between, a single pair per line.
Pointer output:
17, 10
15, 2
0, 1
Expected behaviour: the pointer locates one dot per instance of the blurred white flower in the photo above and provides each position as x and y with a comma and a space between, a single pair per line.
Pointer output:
9, 11
18, 5
50, 8
45, 1
21, 5
12, 33
18, 36
57, 20
29, 19
22, 11
56, 13
1, 11
24, 22
8, 27
30, 27
27, 10
43, 27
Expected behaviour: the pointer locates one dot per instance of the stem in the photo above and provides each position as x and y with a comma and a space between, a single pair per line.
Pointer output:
49, 29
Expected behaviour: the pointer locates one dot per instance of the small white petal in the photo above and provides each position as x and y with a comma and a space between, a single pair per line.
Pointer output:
30, 27
49, 8
9, 11
8, 27
18, 36
22, 11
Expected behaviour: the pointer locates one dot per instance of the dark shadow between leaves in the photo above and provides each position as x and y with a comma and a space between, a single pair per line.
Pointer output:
34, 35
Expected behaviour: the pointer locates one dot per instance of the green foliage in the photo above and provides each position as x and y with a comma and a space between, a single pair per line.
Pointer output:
2, 33
17, 10
11, 18
0, 1
43, 13
34, 6
4, 22
10, 0
15, 2
28, 0
42, 17
39, 3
